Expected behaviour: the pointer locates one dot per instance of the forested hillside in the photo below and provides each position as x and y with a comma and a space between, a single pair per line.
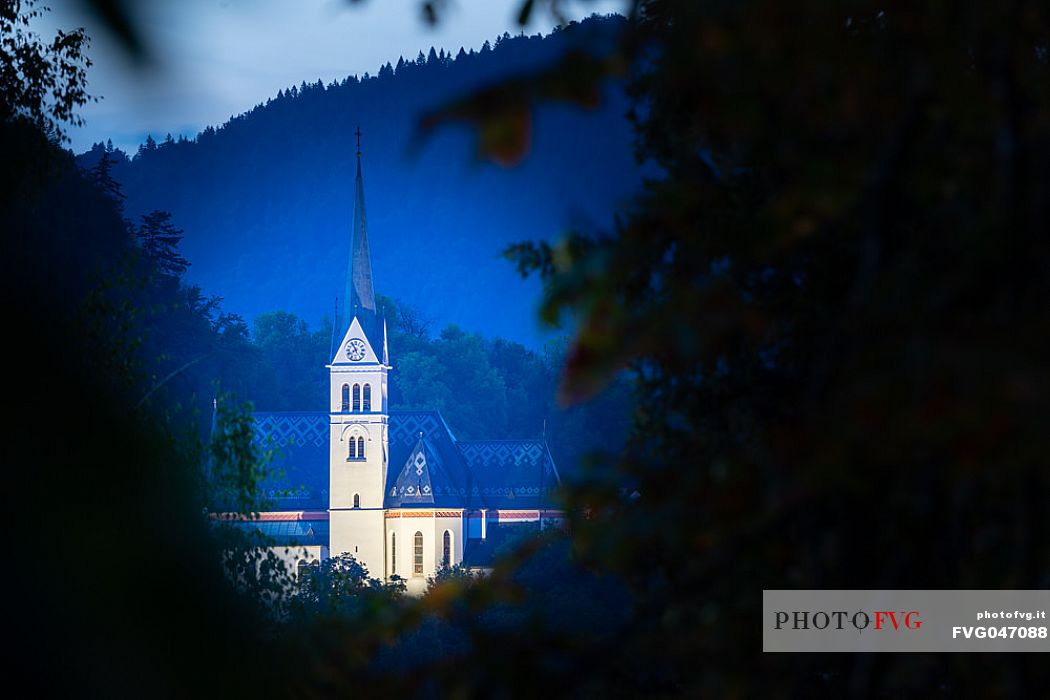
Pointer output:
265, 199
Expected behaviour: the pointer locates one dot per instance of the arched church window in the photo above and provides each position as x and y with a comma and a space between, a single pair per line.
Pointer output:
346, 398
393, 553
368, 398
417, 560
357, 398
301, 570
446, 549
360, 448
353, 449
357, 500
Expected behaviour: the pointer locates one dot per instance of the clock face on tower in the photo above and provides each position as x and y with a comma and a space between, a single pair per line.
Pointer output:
355, 350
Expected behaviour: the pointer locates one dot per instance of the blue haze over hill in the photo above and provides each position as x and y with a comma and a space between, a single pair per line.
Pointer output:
266, 199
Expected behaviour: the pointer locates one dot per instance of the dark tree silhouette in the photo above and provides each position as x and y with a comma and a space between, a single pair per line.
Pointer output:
159, 240
102, 174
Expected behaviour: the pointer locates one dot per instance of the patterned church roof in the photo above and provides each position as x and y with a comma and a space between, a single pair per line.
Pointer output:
511, 473
299, 442
414, 485
469, 474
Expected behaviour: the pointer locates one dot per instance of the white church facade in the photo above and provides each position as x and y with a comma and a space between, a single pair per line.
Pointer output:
395, 489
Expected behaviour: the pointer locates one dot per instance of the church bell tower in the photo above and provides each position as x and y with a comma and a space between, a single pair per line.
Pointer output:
358, 411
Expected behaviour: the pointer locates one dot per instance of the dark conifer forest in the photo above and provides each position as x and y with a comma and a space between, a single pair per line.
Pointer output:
266, 198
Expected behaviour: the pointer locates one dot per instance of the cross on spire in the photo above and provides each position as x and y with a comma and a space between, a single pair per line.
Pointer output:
357, 133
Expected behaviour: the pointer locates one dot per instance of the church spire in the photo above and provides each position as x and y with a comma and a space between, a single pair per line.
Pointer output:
359, 295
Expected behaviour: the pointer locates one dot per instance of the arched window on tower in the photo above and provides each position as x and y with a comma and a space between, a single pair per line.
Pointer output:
393, 553
353, 450
417, 558
357, 500
346, 398
368, 398
360, 448
446, 549
357, 398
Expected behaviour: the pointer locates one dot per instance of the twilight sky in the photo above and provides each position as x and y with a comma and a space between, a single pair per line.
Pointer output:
218, 58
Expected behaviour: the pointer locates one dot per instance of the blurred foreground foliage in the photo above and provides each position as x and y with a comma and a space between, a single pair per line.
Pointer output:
834, 301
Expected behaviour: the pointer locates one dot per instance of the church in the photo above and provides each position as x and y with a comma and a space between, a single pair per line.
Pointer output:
395, 489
